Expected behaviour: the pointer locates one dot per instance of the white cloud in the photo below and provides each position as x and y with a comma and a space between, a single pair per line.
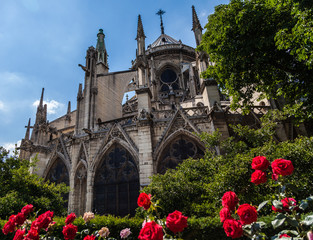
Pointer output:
10, 146
2, 106
53, 106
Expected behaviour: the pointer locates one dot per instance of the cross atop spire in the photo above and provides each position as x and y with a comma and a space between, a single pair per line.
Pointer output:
195, 20
160, 13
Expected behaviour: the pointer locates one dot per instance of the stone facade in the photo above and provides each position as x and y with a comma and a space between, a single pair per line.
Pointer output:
105, 150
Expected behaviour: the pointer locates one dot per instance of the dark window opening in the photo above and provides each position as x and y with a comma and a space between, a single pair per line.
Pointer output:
116, 187
182, 148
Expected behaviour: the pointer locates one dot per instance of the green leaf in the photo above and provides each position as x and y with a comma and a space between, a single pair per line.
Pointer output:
262, 205
293, 222
308, 221
303, 205
278, 222
310, 198
278, 204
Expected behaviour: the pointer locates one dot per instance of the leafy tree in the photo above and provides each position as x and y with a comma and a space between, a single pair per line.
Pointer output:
197, 185
19, 187
263, 46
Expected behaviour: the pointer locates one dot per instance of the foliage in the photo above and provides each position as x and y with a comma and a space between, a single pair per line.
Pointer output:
19, 187
263, 46
197, 185
289, 220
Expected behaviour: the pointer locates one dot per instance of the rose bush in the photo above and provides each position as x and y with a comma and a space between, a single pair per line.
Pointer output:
286, 207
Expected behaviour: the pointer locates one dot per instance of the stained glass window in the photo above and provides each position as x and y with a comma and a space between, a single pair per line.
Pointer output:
116, 187
180, 149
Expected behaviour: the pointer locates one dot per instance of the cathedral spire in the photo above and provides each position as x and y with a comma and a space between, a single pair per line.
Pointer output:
160, 13
102, 53
196, 26
41, 99
195, 20
141, 45
140, 32
27, 131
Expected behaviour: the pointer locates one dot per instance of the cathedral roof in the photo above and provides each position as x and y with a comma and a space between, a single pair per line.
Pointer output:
164, 40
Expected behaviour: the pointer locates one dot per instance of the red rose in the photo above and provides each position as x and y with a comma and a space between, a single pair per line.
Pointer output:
69, 231
70, 218
258, 177
260, 163
20, 218
27, 209
233, 228
151, 231
225, 214
19, 234
284, 235
89, 237
274, 177
247, 214
32, 234
287, 202
230, 200
282, 167
176, 222
43, 220
9, 226
144, 200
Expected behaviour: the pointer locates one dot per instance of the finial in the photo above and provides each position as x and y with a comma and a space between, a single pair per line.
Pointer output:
69, 107
41, 98
80, 92
160, 13
195, 20
27, 131
140, 32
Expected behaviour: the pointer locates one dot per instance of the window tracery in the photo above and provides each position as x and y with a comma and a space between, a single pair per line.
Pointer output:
116, 185
180, 149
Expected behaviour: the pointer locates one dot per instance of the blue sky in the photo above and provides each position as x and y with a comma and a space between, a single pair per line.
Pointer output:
43, 41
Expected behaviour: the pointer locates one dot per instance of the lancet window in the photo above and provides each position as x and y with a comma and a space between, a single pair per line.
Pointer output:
116, 186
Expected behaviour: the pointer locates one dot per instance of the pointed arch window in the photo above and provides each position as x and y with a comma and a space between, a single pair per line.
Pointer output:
116, 186
80, 190
177, 151
58, 174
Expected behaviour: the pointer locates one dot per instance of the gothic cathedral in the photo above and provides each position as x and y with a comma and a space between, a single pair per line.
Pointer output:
105, 150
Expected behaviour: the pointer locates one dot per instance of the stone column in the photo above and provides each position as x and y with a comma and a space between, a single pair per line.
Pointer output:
89, 194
